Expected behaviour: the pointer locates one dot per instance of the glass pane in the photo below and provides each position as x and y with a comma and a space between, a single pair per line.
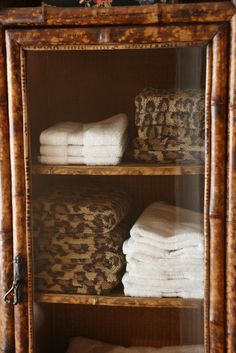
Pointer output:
117, 147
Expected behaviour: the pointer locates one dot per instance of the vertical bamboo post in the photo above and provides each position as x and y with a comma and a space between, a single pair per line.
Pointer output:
207, 190
6, 241
18, 182
218, 192
231, 200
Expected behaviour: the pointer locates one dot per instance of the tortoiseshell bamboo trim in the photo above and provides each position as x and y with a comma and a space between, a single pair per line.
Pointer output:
114, 37
207, 190
146, 15
231, 200
217, 192
6, 240
18, 183
28, 186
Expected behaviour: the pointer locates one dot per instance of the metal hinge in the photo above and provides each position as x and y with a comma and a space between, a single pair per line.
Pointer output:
15, 295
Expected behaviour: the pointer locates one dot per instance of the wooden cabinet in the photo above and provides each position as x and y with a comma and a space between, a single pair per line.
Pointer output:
56, 63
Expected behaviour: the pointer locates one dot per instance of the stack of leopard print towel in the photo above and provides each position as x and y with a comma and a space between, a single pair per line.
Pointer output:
170, 126
78, 237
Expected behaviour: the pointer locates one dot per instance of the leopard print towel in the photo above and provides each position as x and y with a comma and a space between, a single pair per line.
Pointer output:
151, 99
111, 241
81, 209
171, 157
77, 283
182, 108
177, 133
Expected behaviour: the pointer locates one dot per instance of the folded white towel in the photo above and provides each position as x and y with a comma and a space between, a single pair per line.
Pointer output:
165, 269
64, 160
106, 132
86, 345
85, 151
141, 291
184, 288
132, 246
168, 227
153, 261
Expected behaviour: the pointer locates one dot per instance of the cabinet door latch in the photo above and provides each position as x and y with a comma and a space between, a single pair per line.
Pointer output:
15, 294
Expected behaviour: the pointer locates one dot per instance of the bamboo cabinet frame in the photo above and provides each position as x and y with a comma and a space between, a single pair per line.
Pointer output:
208, 27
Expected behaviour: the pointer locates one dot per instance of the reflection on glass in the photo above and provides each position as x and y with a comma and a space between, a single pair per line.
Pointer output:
117, 141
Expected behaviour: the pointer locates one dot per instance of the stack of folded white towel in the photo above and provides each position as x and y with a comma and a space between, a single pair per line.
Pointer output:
100, 143
165, 253
86, 345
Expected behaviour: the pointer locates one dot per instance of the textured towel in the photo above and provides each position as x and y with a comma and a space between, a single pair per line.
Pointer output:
179, 120
166, 269
169, 144
168, 150
152, 261
65, 160
106, 132
168, 227
187, 105
85, 151
81, 208
163, 131
79, 283
89, 261
111, 241
184, 288
167, 157
86, 345
150, 292
134, 248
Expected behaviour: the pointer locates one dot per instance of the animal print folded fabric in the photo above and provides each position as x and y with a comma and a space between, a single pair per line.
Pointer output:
172, 157
163, 131
109, 263
81, 242
194, 120
168, 144
181, 108
73, 282
81, 209
151, 100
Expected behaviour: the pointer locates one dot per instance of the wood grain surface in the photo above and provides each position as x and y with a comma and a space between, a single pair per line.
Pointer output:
6, 239
155, 14
231, 200
217, 192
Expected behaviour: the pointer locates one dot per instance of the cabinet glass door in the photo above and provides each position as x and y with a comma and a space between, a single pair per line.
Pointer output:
122, 155
129, 232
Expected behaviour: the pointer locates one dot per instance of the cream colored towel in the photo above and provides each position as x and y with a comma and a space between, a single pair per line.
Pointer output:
86, 345
106, 132
178, 268
133, 247
85, 151
166, 269
168, 227
64, 160
183, 288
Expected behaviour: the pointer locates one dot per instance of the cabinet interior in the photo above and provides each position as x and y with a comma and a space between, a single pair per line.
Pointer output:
88, 86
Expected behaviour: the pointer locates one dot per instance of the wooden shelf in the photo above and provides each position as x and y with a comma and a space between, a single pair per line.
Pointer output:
122, 169
118, 299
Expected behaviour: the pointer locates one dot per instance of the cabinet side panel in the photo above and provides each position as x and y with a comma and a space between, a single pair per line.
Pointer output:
6, 310
217, 192
18, 183
231, 201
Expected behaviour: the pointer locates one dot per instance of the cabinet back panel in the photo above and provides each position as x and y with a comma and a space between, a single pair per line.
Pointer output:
184, 191
127, 326
92, 85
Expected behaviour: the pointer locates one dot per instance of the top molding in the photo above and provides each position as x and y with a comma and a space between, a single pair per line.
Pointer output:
132, 15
